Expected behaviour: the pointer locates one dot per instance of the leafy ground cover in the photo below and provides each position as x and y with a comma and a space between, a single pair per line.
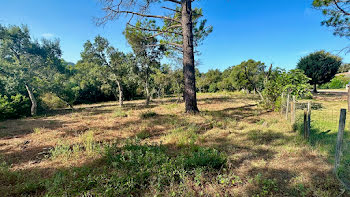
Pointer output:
232, 148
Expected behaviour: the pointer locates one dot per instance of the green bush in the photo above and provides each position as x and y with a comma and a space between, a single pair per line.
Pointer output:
14, 107
51, 101
338, 82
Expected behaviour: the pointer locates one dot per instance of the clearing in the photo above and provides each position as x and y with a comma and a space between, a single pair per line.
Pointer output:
232, 148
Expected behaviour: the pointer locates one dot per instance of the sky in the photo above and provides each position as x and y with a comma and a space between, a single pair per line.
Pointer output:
277, 32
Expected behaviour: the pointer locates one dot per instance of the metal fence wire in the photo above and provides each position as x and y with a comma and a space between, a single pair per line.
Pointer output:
321, 127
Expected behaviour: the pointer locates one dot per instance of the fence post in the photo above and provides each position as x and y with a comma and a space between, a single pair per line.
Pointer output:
340, 138
349, 99
287, 106
293, 104
305, 123
308, 119
282, 103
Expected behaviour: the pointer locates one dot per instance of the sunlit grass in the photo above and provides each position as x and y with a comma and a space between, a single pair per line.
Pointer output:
232, 148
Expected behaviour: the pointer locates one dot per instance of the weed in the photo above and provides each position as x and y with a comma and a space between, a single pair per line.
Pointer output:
148, 114
143, 134
38, 131
267, 186
119, 113
62, 151
205, 157
171, 106
183, 136
260, 122
133, 169
86, 146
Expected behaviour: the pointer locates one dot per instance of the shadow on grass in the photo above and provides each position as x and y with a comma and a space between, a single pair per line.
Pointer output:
17, 128
325, 140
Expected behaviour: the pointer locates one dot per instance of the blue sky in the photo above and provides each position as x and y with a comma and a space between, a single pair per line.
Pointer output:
272, 31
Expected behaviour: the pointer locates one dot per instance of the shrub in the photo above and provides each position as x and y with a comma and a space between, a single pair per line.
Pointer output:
14, 107
337, 82
51, 101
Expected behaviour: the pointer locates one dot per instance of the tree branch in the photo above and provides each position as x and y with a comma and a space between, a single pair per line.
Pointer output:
156, 30
341, 9
143, 15
174, 1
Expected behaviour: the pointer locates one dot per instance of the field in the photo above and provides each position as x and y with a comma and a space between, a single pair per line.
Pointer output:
232, 148
324, 128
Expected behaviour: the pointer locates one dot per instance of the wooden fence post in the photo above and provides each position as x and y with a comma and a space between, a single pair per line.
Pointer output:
305, 123
282, 103
349, 99
292, 106
287, 107
340, 138
308, 119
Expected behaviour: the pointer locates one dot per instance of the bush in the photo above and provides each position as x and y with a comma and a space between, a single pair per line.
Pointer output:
337, 82
51, 101
14, 107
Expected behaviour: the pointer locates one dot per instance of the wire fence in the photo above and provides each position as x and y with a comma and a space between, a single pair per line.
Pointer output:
324, 128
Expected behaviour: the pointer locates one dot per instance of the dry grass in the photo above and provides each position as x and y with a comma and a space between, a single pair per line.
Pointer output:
265, 157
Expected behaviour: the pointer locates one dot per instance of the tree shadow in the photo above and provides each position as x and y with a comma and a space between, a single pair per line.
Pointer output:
326, 141
17, 128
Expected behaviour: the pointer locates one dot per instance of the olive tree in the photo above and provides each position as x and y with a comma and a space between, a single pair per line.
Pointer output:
26, 61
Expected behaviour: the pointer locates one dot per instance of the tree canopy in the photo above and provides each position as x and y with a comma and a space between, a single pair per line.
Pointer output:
181, 31
338, 15
320, 66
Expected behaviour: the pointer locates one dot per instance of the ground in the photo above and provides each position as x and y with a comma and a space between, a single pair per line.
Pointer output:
232, 148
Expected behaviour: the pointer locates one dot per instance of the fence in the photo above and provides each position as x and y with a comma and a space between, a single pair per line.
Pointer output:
325, 128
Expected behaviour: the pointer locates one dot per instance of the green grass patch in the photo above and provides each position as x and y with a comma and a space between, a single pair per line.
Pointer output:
323, 137
119, 113
143, 134
148, 114
133, 170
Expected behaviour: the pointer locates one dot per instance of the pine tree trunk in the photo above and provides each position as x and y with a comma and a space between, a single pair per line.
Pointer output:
120, 90
188, 58
34, 106
315, 88
147, 93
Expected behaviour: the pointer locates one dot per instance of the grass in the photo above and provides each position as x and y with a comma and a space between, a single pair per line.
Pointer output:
232, 148
119, 113
148, 114
323, 134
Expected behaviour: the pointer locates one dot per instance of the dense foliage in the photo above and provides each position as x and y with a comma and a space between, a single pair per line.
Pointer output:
279, 82
33, 76
337, 13
338, 82
320, 66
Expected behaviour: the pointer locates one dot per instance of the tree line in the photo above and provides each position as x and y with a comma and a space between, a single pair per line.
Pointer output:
30, 69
